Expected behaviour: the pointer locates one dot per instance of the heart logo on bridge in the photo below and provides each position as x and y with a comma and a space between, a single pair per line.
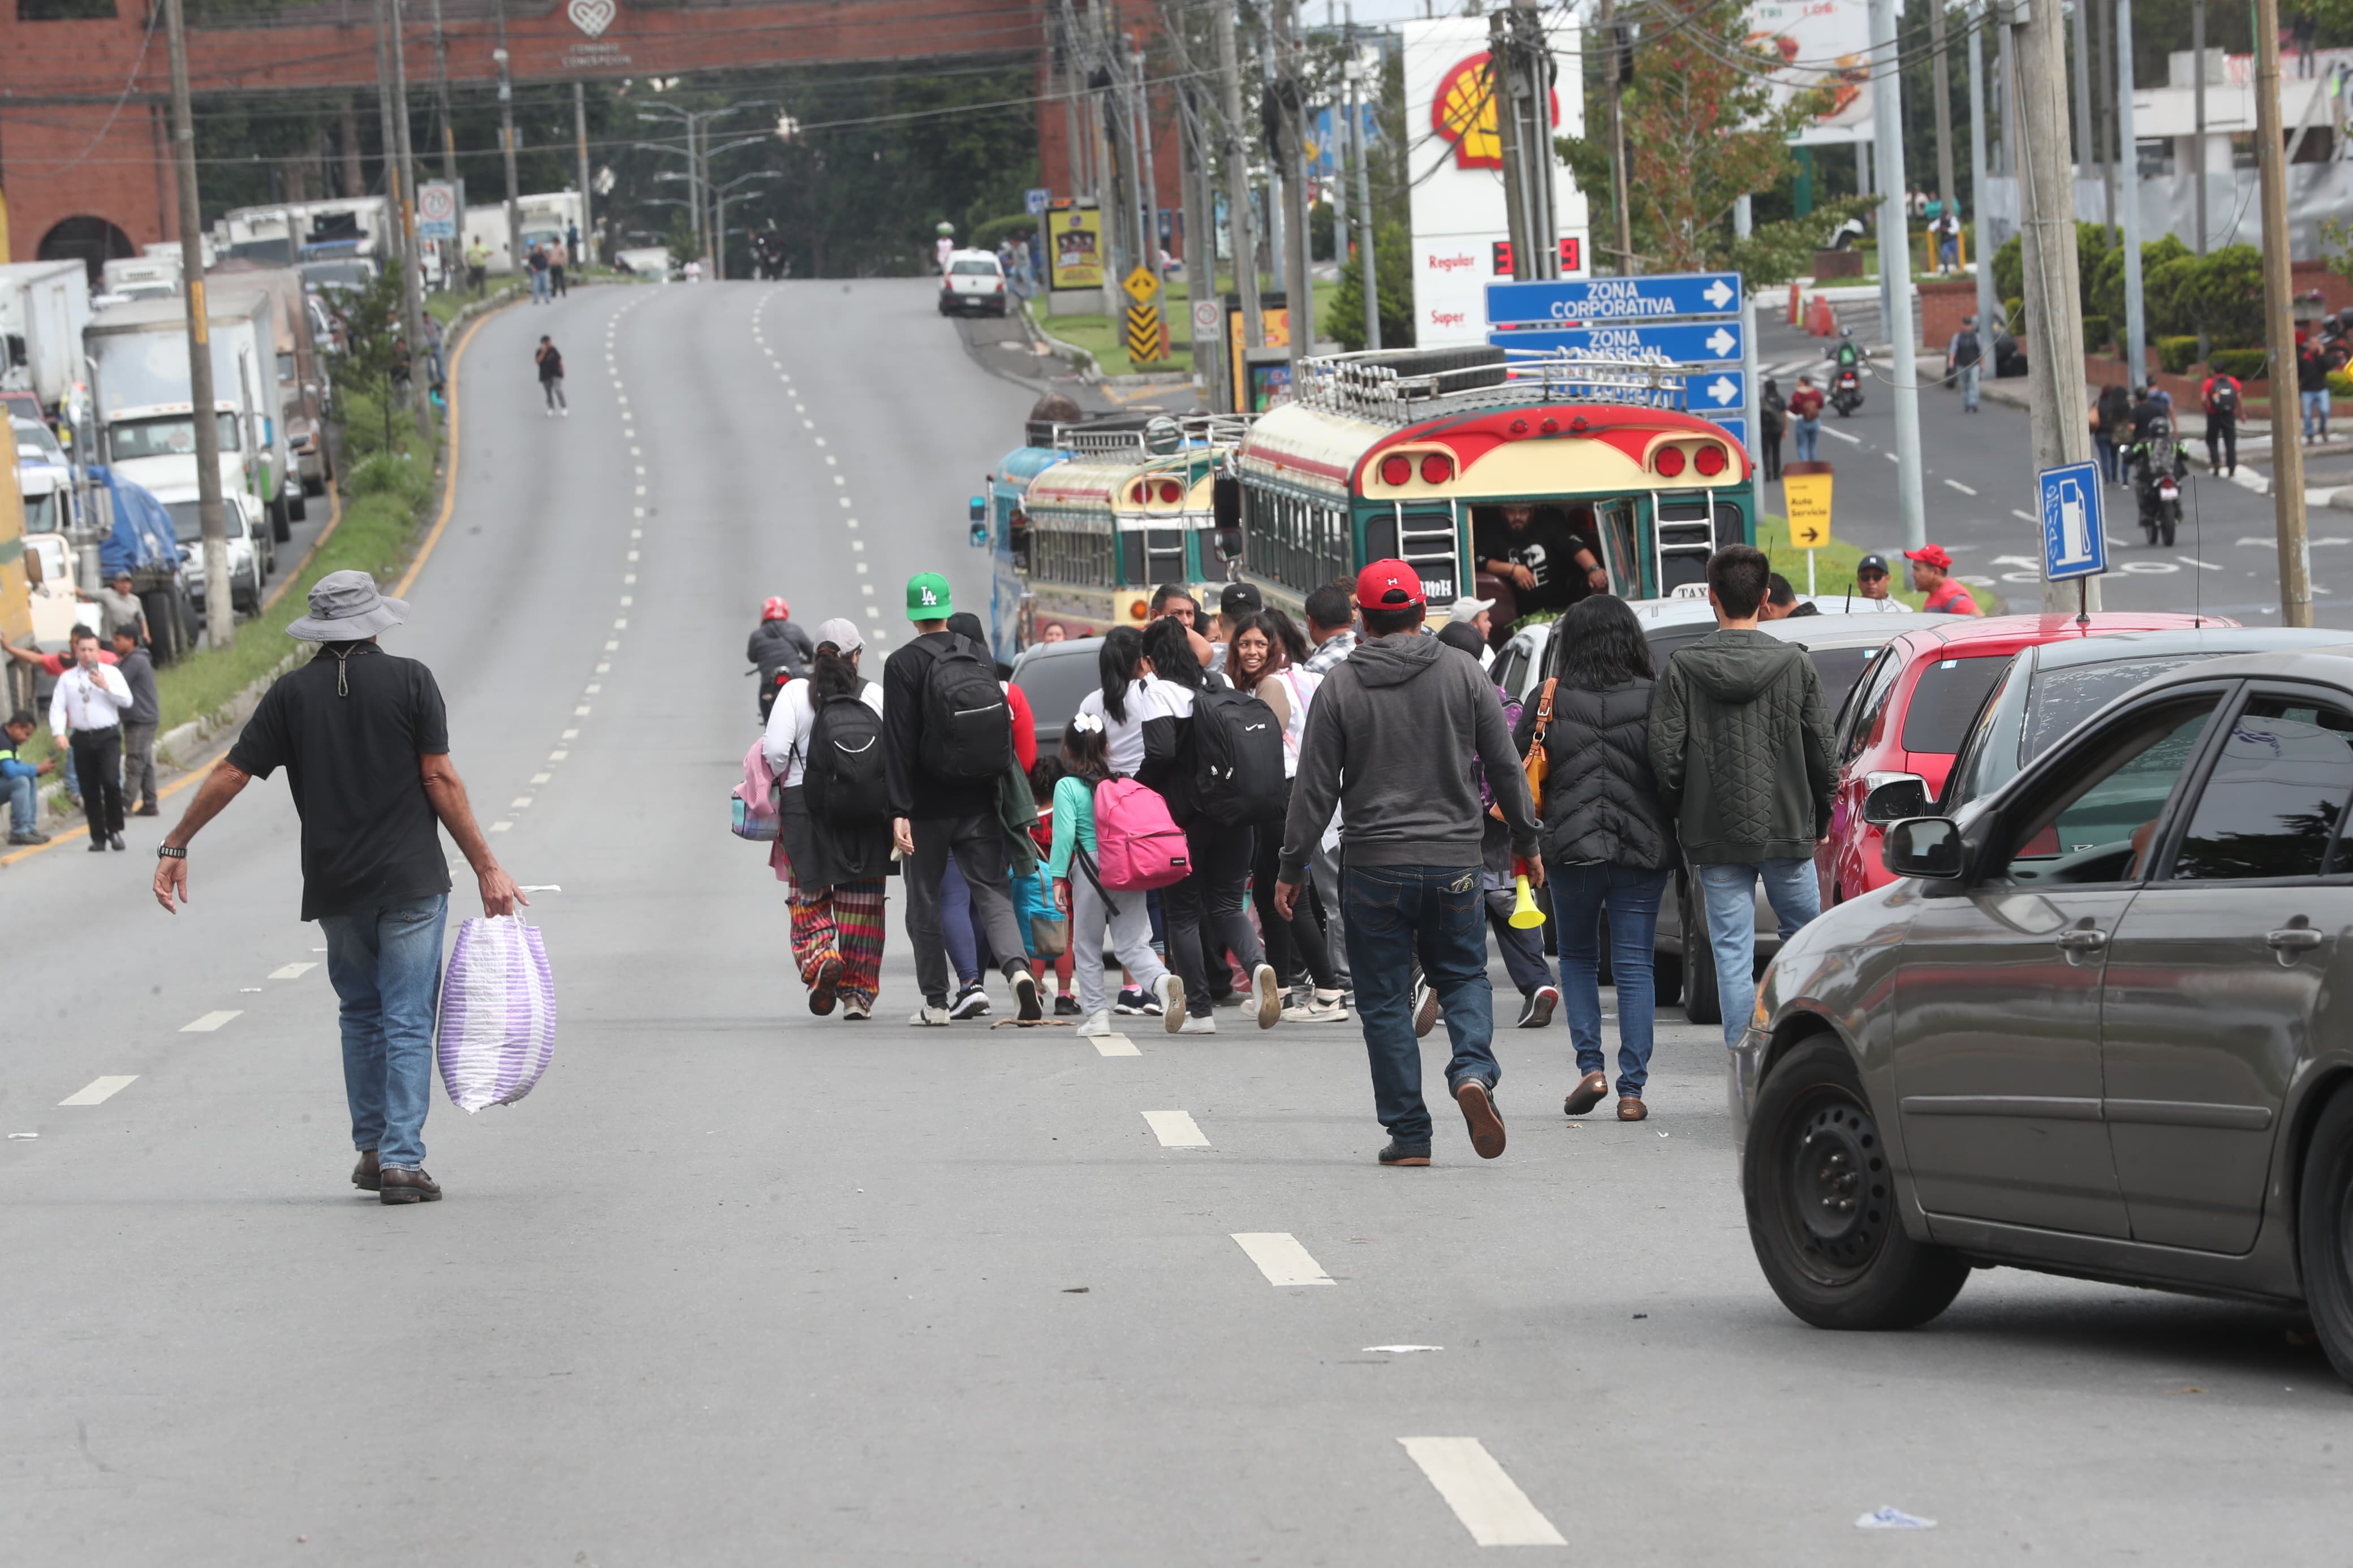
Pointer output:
591, 17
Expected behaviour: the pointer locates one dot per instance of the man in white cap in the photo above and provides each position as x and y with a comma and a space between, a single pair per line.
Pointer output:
1478, 615
365, 741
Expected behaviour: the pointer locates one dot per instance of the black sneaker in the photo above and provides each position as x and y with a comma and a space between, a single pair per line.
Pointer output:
1398, 1153
1130, 1002
29, 838
1536, 1011
1025, 997
1066, 1005
971, 1002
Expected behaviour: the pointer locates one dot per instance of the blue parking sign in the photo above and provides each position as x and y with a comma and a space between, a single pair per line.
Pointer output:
1037, 199
2074, 545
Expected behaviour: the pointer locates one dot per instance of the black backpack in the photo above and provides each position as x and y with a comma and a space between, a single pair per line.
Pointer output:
968, 723
2226, 399
1237, 759
844, 776
1965, 349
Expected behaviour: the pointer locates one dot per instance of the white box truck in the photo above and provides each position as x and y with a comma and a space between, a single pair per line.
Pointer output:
551, 216
43, 306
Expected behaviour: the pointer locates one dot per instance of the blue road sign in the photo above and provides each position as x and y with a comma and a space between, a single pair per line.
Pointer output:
1590, 299
1714, 391
1682, 343
2074, 543
1037, 199
1735, 425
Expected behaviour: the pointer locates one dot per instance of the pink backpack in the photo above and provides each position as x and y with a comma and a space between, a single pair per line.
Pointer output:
1138, 846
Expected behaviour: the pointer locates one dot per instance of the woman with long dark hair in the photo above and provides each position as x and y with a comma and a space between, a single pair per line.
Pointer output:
1123, 700
835, 865
1262, 657
1608, 839
1211, 897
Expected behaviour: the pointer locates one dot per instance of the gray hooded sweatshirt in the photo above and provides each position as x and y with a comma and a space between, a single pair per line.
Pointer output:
1391, 737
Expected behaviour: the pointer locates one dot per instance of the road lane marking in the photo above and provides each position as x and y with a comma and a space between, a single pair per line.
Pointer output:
557, 756
2202, 565
873, 614
1114, 1046
292, 970
1957, 484
520, 803
1891, 456
593, 688
100, 1089
2023, 517
1490, 1504
1177, 1130
210, 1022
542, 778
581, 711
500, 826
845, 502
1849, 440
1280, 1258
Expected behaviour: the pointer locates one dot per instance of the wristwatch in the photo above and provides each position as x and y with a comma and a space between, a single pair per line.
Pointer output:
165, 852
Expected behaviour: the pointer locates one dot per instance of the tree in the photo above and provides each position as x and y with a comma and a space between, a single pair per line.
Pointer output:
1344, 318
1701, 133
375, 365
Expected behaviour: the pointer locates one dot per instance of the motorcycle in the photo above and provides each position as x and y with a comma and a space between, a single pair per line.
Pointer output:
2157, 489
1846, 391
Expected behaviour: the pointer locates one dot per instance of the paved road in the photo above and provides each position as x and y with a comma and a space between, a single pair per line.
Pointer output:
739, 1286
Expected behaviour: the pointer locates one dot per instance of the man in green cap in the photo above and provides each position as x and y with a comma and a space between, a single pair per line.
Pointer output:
947, 742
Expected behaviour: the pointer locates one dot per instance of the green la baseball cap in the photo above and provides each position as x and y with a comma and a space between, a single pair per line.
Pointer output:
927, 598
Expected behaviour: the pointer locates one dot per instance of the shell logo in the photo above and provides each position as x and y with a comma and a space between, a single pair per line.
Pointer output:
1463, 111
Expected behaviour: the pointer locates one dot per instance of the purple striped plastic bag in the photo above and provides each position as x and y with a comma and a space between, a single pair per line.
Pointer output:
497, 1013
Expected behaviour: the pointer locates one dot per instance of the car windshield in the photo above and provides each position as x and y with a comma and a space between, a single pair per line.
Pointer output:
974, 269
174, 436
32, 437
1948, 696
2062, 699
339, 274
1054, 684
43, 514
1839, 668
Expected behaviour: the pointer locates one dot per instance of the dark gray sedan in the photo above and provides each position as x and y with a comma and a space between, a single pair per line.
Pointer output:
2103, 1026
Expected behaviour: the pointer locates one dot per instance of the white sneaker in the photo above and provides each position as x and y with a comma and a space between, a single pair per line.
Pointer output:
929, 1017
1425, 1008
1169, 992
1269, 995
1203, 1026
1097, 1027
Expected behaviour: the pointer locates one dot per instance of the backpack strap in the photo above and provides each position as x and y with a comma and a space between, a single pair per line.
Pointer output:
1085, 862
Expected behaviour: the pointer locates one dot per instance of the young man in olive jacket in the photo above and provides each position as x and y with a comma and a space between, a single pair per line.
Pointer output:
1740, 743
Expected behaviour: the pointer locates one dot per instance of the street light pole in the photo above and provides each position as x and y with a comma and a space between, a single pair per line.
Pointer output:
1238, 191
220, 616
506, 141
2128, 177
1895, 269
580, 141
1977, 182
2279, 327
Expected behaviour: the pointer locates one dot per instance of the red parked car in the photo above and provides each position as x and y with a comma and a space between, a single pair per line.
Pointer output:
1906, 717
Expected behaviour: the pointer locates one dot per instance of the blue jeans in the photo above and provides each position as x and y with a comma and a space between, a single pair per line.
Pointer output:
1630, 894
1730, 889
956, 924
538, 286
1810, 436
2104, 450
1439, 912
385, 966
2315, 406
1968, 381
24, 803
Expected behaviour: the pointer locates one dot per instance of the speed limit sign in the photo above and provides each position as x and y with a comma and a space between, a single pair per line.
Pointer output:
437, 211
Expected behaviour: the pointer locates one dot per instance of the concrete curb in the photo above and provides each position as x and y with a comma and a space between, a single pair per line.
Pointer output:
1070, 353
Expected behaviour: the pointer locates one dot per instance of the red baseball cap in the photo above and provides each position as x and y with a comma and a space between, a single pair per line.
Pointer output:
1388, 585
1931, 555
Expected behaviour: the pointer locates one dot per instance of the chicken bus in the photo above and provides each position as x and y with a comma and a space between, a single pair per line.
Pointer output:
1410, 454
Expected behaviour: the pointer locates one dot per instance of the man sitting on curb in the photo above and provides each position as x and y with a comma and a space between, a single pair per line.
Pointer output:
20, 780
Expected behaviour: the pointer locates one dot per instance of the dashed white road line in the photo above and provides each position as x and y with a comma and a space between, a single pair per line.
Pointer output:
210, 1022
1114, 1046
100, 1089
1957, 484
1280, 1258
1177, 1130
292, 970
1490, 1504
1849, 440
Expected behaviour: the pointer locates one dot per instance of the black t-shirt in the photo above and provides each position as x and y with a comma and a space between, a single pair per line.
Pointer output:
1547, 547
551, 364
369, 834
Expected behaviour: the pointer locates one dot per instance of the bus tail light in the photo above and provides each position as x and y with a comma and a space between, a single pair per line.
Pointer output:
1709, 460
1171, 492
1135, 494
1436, 469
1138, 610
1397, 469
1667, 462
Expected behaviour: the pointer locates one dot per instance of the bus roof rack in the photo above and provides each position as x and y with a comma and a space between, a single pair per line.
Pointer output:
1158, 436
1404, 386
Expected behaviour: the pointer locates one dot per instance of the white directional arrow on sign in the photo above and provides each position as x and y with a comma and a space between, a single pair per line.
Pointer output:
1718, 295
1723, 389
1723, 343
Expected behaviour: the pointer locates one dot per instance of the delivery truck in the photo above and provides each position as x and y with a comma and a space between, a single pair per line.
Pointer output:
43, 306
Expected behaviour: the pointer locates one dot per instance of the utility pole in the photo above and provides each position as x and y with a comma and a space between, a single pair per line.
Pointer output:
220, 621
1150, 186
1278, 204
2102, 84
1617, 55
441, 99
1291, 108
2128, 156
1521, 67
1502, 81
395, 239
2054, 311
1944, 117
2279, 327
1233, 148
1896, 268
506, 141
1978, 180
588, 196
1369, 273
2005, 84
412, 264
2086, 155
2198, 101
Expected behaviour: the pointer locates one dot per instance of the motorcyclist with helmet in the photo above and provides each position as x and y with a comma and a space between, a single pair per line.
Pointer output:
1846, 382
2155, 451
777, 647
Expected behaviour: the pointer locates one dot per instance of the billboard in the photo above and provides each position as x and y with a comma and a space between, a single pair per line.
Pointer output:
1820, 43
1074, 253
1460, 234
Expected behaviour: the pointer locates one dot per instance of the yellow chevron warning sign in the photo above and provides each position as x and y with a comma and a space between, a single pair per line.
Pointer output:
1147, 339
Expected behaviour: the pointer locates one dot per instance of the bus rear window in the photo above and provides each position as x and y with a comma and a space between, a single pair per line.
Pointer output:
1946, 697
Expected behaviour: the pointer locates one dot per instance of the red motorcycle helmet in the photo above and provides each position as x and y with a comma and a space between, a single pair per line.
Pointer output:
775, 609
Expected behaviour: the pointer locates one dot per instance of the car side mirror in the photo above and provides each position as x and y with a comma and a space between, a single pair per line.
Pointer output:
978, 510
980, 535
1894, 797
1926, 846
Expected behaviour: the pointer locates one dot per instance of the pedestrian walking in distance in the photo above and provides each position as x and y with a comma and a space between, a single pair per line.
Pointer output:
1388, 740
1267, 651
948, 745
87, 707
1740, 747
1608, 839
1095, 912
364, 740
824, 745
139, 722
551, 377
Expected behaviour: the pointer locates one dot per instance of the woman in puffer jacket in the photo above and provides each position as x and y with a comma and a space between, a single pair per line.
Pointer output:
1608, 840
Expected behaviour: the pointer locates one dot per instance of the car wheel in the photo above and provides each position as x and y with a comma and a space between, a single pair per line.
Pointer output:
282, 528
1701, 1003
2325, 1231
1821, 1196
298, 506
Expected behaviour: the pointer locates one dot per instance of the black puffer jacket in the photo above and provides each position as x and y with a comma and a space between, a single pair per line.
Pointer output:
1602, 799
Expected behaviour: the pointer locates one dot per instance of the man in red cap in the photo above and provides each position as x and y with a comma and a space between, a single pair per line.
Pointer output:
777, 645
1388, 741
1947, 595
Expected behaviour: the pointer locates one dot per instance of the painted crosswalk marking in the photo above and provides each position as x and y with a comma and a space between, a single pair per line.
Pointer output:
100, 1089
1280, 1258
210, 1021
292, 970
1114, 1046
1490, 1504
1175, 1129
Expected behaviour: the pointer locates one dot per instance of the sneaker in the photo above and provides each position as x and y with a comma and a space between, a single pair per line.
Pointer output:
1066, 1006
1269, 995
972, 1002
1299, 1012
1097, 1027
1130, 1004
1397, 1153
1025, 1005
1316, 1010
1150, 1006
1204, 1026
1536, 1012
29, 838
856, 1012
828, 976
150, 809
1168, 992
930, 1015
1479, 1116
1425, 1008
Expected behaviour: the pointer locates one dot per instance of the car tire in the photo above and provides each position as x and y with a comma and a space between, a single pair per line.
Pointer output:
1820, 1195
1701, 1003
2324, 1227
297, 507
282, 527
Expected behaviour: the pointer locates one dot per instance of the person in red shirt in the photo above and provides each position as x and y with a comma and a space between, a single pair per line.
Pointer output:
53, 663
1946, 595
1806, 419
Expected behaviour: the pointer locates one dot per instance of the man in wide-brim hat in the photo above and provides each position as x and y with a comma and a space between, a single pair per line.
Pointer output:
364, 740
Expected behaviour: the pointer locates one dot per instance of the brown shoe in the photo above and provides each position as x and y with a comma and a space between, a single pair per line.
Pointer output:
1632, 1109
408, 1185
365, 1176
1479, 1113
1588, 1093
